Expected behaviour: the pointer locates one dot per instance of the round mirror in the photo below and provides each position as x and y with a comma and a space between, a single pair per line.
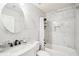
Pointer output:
13, 17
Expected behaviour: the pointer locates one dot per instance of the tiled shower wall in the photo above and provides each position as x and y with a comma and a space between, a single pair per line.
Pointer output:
61, 29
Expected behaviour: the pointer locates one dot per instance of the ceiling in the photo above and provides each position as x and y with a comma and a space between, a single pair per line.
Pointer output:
47, 7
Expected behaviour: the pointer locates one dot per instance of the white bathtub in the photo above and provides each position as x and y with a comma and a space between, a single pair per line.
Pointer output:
58, 50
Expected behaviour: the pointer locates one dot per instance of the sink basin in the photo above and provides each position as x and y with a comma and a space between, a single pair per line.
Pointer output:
3, 47
22, 50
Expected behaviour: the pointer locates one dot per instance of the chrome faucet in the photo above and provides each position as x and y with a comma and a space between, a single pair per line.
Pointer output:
17, 42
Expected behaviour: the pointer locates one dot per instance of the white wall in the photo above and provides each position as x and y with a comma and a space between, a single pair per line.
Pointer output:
64, 34
31, 31
77, 28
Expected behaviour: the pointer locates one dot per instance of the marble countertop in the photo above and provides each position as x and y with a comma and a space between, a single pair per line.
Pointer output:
18, 50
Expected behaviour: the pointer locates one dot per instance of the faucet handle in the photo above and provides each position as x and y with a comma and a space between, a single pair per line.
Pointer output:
11, 45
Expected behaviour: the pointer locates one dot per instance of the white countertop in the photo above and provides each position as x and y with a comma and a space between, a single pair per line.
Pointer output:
18, 50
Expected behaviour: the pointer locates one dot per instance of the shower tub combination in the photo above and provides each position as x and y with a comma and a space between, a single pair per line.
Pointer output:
58, 50
55, 48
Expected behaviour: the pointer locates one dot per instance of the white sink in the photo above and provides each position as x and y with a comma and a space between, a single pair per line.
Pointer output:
3, 47
23, 49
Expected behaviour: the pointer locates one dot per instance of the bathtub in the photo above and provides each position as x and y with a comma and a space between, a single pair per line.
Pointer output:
58, 50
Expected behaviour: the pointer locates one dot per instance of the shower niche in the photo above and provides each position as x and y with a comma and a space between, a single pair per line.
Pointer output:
12, 18
45, 23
